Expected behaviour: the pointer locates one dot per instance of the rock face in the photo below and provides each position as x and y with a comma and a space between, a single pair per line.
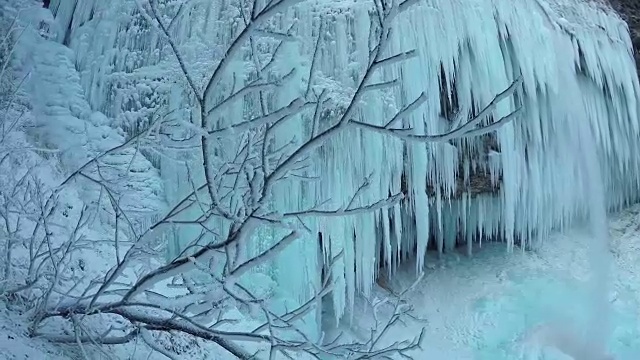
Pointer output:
629, 10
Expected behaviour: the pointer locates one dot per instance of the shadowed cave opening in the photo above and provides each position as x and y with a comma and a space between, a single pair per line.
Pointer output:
472, 179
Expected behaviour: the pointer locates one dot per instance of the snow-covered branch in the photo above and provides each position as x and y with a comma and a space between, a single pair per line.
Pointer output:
470, 128
241, 158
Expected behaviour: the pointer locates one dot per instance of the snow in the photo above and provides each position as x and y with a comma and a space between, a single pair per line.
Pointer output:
15, 344
104, 76
499, 306
54, 135
65, 122
485, 307
578, 76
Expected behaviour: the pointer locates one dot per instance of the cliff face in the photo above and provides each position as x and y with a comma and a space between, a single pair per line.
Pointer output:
577, 79
629, 10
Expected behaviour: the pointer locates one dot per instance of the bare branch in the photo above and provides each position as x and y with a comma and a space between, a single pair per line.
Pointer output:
164, 30
295, 107
148, 339
265, 256
239, 181
465, 130
66, 339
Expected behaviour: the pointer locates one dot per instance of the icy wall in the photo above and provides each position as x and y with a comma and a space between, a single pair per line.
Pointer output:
576, 61
78, 133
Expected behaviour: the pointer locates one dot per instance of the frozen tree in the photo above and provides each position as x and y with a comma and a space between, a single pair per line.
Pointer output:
242, 162
16, 200
7, 96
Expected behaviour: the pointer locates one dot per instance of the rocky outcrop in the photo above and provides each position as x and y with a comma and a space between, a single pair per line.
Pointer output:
629, 10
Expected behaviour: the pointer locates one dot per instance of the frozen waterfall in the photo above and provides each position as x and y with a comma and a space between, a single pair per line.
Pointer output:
574, 56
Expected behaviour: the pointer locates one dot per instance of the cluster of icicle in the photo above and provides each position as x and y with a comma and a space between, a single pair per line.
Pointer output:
576, 62
64, 120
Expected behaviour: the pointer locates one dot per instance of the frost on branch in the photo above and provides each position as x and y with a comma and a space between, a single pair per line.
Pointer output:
250, 152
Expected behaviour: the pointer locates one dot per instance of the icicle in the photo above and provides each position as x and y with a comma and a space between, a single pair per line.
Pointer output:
480, 46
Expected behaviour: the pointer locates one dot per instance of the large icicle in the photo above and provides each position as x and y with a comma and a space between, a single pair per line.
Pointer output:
469, 50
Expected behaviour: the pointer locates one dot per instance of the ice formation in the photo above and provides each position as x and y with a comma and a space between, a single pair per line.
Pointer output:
67, 123
576, 62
